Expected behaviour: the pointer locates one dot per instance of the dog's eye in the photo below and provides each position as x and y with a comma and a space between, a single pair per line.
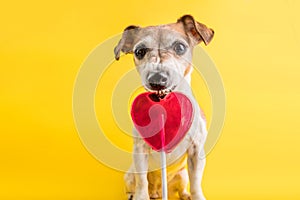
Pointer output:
179, 48
140, 52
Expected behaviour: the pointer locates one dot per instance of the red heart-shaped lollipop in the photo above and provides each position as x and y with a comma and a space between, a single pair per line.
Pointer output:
162, 122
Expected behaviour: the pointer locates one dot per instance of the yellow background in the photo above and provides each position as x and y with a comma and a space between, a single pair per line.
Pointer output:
43, 43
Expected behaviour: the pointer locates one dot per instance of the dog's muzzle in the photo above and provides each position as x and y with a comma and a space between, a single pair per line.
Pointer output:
158, 81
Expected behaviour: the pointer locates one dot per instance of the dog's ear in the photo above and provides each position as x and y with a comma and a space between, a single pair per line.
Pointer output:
127, 41
199, 32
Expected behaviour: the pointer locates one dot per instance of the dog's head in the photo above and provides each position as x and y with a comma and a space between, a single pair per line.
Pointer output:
163, 54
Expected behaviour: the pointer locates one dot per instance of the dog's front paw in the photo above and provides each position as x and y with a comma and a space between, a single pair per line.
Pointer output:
155, 195
185, 196
198, 197
141, 195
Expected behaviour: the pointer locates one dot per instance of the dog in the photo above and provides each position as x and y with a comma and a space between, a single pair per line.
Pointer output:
163, 56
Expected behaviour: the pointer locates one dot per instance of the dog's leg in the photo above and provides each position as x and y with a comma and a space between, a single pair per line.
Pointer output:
130, 183
140, 160
154, 181
179, 184
195, 168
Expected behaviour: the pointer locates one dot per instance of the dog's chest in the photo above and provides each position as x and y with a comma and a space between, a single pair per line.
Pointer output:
174, 158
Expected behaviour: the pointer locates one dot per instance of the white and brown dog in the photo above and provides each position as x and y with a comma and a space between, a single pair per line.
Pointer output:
163, 55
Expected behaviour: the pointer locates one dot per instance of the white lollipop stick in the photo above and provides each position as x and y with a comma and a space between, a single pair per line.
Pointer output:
164, 176
163, 163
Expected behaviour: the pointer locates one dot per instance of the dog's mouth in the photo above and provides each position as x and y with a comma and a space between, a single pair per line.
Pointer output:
157, 86
160, 91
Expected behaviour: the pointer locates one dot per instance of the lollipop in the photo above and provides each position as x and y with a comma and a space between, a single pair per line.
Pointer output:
162, 121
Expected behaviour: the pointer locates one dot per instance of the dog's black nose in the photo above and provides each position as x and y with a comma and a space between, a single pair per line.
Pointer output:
158, 81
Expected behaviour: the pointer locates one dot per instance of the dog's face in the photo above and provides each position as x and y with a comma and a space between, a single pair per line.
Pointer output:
163, 54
